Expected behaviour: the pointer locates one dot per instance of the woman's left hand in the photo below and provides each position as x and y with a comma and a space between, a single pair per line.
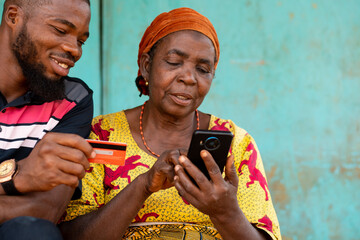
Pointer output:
161, 174
216, 198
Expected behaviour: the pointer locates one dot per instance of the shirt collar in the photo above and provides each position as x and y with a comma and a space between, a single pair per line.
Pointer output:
27, 98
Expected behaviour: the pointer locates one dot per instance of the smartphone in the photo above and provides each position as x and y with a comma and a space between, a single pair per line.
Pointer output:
217, 143
108, 152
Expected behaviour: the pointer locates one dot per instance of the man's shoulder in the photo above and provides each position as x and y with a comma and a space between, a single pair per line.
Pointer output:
76, 89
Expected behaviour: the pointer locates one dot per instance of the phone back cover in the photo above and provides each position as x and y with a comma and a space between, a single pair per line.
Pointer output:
220, 154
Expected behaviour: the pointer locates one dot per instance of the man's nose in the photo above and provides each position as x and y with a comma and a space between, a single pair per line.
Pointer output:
73, 48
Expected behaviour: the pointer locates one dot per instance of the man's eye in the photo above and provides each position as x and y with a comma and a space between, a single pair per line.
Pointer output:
59, 30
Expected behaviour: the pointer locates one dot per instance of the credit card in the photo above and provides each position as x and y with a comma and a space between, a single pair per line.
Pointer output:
108, 152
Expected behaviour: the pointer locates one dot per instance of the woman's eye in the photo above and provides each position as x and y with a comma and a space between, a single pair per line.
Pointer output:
81, 43
203, 70
173, 63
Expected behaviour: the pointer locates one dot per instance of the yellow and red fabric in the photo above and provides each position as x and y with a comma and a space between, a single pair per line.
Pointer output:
165, 212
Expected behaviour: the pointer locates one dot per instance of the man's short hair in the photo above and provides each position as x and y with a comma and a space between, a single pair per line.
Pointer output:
30, 4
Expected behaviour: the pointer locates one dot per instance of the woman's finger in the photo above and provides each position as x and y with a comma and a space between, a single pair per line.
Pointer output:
184, 193
193, 175
188, 184
230, 171
212, 167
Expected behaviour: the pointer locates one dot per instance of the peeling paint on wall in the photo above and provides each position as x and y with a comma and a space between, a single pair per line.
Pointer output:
289, 73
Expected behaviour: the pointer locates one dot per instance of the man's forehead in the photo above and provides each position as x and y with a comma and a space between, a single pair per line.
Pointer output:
28, 3
35, 2
63, 9
73, 13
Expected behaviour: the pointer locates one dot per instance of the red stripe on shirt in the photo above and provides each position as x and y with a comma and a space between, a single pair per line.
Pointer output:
36, 113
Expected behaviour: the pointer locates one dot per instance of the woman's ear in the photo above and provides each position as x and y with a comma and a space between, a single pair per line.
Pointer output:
145, 66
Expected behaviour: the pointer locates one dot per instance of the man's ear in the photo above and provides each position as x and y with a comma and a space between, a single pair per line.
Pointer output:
145, 65
13, 16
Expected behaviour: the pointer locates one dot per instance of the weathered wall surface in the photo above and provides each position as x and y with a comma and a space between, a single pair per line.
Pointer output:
289, 73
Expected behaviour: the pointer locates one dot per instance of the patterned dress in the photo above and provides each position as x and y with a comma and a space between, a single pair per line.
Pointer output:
165, 214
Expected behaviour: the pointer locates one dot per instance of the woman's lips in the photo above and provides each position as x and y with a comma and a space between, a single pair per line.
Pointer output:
181, 99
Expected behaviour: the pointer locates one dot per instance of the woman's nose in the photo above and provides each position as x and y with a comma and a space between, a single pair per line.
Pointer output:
188, 75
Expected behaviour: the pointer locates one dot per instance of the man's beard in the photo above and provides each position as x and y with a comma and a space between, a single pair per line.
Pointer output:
34, 72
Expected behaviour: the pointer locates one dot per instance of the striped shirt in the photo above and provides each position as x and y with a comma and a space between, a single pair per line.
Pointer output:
25, 121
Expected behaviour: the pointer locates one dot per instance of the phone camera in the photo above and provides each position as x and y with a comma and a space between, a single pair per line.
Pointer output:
212, 143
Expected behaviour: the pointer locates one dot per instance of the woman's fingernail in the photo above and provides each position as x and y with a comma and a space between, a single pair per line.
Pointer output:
181, 159
203, 153
177, 167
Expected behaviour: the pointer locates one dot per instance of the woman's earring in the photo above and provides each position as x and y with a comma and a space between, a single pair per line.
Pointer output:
142, 85
146, 82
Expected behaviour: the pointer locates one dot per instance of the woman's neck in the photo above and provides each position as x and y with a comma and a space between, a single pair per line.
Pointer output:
163, 132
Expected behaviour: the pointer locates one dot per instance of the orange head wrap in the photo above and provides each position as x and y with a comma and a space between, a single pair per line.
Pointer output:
173, 21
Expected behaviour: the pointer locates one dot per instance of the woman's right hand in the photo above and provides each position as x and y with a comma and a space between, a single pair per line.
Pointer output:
161, 175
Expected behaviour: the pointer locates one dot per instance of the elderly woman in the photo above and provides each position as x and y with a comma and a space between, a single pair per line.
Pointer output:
150, 196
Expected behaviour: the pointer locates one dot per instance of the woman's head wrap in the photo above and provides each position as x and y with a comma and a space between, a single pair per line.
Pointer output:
169, 22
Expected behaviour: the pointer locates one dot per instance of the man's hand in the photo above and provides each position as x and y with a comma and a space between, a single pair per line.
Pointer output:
59, 158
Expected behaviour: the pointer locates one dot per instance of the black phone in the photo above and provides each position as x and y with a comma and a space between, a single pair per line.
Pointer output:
217, 143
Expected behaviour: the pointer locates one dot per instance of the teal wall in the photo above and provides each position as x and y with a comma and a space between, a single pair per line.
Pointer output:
289, 73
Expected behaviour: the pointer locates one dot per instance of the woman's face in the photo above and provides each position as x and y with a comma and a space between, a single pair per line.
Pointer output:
181, 72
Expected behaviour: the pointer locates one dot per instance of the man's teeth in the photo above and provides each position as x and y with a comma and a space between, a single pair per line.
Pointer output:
63, 65
182, 97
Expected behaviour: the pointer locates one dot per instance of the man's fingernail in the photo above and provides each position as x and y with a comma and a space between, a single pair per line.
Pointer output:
93, 154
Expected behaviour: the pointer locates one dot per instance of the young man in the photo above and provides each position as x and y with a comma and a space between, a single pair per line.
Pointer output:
44, 114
